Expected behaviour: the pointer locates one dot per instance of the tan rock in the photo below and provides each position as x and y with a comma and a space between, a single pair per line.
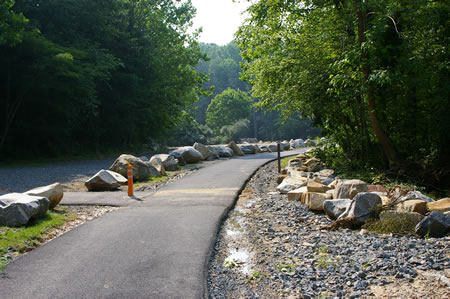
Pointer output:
414, 205
291, 183
349, 189
53, 192
297, 193
314, 201
314, 186
311, 161
331, 192
236, 149
302, 157
442, 205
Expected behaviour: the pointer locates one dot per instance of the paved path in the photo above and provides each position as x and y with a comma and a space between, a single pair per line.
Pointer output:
158, 247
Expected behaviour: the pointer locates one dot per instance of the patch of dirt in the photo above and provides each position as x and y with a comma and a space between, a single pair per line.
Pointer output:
426, 285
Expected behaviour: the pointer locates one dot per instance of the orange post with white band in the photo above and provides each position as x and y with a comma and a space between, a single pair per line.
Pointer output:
130, 180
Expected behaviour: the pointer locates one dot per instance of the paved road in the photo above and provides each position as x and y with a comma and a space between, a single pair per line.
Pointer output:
154, 248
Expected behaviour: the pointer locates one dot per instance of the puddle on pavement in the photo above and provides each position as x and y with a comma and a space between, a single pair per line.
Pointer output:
238, 254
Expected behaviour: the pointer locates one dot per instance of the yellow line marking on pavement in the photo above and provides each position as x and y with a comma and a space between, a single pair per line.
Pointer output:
196, 191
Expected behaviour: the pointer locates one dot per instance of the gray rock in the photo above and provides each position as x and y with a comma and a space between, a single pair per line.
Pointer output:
349, 189
273, 147
365, 205
17, 209
335, 208
214, 153
203, 150
297, 143
224, 151
105, 180
169, 162
141, 170
248, 149
143, 158
158, 164
236, 149
414, 195
53, 192
189, 154
435, 224
285, 146
177, 155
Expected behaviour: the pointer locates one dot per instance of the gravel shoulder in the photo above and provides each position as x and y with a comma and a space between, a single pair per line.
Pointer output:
270, 247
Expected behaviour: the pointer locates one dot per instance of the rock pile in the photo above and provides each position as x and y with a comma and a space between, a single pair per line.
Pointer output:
17, 209
353, 202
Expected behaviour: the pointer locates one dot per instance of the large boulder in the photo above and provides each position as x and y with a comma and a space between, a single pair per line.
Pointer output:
169, 162
314, 201
264, 148
248, 149
53, 192
158, 164
189, 154
410, 217
297, 143
203, 149
414, 205
177, 156
414, 195
349, 189
224, 151
296, 194
17, 209
141, 170
285, 146
317, 187
442, 205
214, 153
335, 208
435, 224
105, 180
291, 183
273, 147
365, 205
236, 149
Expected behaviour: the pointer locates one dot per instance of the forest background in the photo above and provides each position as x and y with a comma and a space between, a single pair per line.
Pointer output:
84, 75
88, 76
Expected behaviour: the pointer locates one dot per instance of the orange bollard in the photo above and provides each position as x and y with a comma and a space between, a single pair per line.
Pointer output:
130, 180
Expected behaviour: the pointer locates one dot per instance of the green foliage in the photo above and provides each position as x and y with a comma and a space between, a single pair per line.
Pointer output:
257, 276
363, 71
12, 24
400, 225
25, 238
227, 108
107, 74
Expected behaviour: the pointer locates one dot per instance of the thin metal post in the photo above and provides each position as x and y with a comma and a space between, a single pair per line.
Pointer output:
279, 157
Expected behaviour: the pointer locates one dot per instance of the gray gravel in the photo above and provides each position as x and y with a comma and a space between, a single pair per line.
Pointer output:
270, 247
20, 179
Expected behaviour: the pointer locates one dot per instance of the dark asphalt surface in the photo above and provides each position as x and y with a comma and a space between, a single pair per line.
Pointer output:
157, 247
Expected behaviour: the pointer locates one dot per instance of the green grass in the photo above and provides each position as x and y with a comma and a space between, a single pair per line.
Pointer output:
399, 226
25, 238
285, 161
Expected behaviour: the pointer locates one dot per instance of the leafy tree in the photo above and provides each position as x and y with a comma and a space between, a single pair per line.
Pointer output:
228, 107
354, 67
12, 24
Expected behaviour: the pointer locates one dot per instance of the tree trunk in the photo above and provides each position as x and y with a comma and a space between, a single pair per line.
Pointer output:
383, 139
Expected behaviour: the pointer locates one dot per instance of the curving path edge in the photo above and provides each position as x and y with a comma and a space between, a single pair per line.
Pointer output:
157, 247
